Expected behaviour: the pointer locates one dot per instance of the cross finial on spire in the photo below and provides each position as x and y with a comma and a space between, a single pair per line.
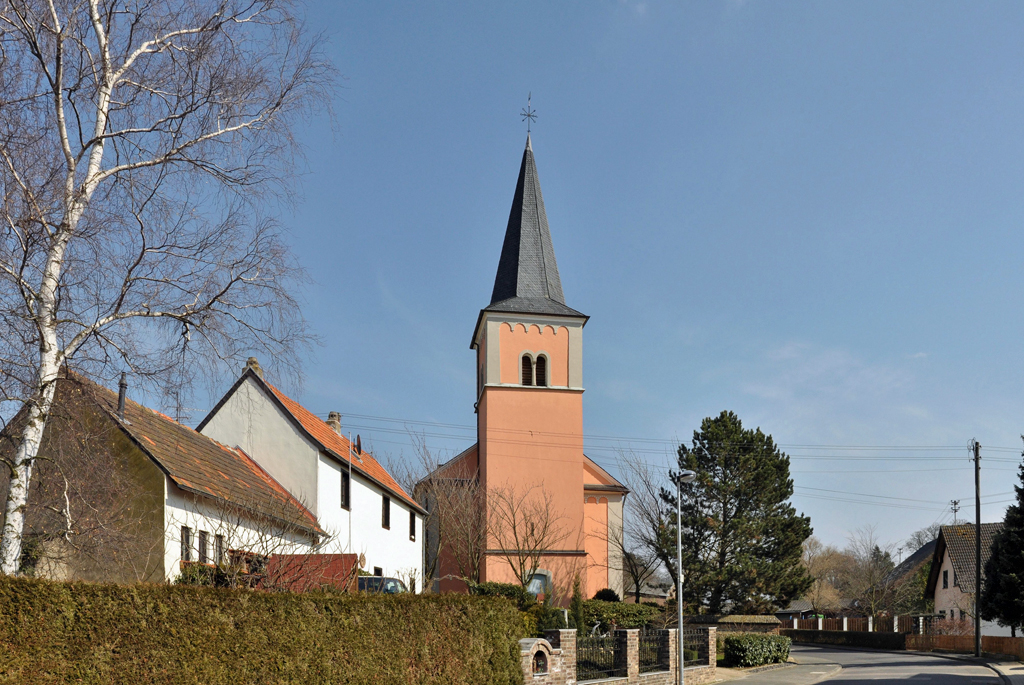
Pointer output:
528, 114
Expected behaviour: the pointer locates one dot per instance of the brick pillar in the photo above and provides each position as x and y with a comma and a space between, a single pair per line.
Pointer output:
673, 651
627, 654
567, 642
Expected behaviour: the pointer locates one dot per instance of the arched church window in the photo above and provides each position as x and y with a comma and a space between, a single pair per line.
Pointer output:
527, 370
542, 370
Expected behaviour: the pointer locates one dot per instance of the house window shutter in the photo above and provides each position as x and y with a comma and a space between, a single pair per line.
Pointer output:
385, 518
527, 370
186, 543
542, 371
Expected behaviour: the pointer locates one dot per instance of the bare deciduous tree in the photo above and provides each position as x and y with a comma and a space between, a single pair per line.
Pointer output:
139, 144
826, 565
644, 521
524, 524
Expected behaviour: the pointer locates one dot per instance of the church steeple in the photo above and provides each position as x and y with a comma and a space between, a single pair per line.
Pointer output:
527, 281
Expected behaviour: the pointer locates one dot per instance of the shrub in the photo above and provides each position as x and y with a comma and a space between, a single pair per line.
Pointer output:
621, 614
92, 634
756, 649
517, 593
607, 595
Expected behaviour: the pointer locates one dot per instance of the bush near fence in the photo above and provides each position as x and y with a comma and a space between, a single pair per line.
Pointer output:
623, 615
850, 638
756, 649
55, 633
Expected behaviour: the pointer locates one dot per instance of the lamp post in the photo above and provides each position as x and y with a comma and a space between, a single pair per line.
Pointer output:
684, 477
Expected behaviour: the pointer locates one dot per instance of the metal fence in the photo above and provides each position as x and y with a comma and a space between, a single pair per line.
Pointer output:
653, 652
595, 658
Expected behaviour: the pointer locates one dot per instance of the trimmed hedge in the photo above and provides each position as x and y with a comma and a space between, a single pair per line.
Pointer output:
161, 634
853, 638
622, 614
756, 649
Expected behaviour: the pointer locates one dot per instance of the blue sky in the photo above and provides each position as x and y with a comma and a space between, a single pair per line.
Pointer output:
807, 213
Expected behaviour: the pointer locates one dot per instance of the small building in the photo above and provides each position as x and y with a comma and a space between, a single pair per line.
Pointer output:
355, 501
951, 581
123, 493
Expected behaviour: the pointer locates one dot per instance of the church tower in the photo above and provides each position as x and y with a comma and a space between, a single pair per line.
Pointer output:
529, 406
529, 347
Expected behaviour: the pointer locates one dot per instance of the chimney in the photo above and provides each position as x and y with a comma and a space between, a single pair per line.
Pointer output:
254, 364
334, 421
122, 390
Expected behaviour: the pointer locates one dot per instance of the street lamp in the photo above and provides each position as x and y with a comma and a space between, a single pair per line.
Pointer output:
684, 477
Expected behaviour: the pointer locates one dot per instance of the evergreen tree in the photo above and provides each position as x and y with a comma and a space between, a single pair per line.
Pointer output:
576, 619
742, 539
1002, 596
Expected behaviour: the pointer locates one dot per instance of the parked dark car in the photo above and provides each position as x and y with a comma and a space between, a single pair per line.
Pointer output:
389, 586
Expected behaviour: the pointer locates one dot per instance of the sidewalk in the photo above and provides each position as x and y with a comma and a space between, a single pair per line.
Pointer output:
1012, 671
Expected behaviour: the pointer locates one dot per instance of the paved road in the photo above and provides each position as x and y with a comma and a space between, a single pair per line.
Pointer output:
851, 667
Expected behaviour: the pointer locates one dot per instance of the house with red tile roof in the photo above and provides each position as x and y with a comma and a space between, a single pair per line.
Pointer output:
124, 493
358, 504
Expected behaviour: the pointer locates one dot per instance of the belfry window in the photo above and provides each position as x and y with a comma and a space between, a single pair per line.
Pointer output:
527, 370
542, 371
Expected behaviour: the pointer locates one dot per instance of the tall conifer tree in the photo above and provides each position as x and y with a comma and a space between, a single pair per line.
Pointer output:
742, 539
1002, 596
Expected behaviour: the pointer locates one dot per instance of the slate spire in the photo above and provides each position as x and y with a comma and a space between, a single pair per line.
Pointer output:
527, 279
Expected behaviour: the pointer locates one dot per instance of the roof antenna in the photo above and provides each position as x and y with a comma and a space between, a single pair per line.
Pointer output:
122, 390
528, 114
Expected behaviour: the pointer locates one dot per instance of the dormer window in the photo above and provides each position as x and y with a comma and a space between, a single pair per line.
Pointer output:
541, 370
527, 370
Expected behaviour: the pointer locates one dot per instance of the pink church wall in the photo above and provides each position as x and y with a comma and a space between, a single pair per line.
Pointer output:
555, 343
596, 526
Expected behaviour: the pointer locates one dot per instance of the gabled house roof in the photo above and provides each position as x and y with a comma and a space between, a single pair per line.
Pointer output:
914, 561
607, 482
196, 463
324, 437
959, 542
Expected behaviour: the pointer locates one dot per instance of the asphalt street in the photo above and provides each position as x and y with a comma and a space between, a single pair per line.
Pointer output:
850, 667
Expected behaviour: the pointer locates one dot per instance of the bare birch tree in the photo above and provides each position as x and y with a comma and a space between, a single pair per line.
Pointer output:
140, 144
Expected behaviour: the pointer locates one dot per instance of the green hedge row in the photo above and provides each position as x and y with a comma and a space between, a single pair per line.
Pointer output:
894, 641
756, 649
131, 634
621, 614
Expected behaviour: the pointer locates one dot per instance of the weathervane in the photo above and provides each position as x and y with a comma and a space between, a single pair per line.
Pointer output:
528, 114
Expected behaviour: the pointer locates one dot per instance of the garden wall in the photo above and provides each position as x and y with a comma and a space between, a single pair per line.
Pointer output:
896, 641
141, 634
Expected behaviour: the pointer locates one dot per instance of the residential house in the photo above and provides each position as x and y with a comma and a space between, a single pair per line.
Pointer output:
124, 493
951, 583
529, 414
353, 498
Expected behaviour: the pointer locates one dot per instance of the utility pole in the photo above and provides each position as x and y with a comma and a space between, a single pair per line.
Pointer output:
977, 547
954, 504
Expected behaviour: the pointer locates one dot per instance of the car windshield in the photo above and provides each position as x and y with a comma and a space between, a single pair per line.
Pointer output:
393, 586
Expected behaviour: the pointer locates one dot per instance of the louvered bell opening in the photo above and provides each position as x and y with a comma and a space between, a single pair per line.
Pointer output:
527, 370
542, 371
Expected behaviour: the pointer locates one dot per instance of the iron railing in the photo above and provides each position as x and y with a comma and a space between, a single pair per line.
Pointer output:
653, 652
595, 658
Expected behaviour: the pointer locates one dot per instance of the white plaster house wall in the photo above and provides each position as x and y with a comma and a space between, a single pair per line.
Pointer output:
240, 531
248, 420
390, 549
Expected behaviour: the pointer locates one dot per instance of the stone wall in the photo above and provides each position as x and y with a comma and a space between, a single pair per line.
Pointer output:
551, 660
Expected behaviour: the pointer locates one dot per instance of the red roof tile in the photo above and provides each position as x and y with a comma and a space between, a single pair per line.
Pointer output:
340, 446
196, 462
